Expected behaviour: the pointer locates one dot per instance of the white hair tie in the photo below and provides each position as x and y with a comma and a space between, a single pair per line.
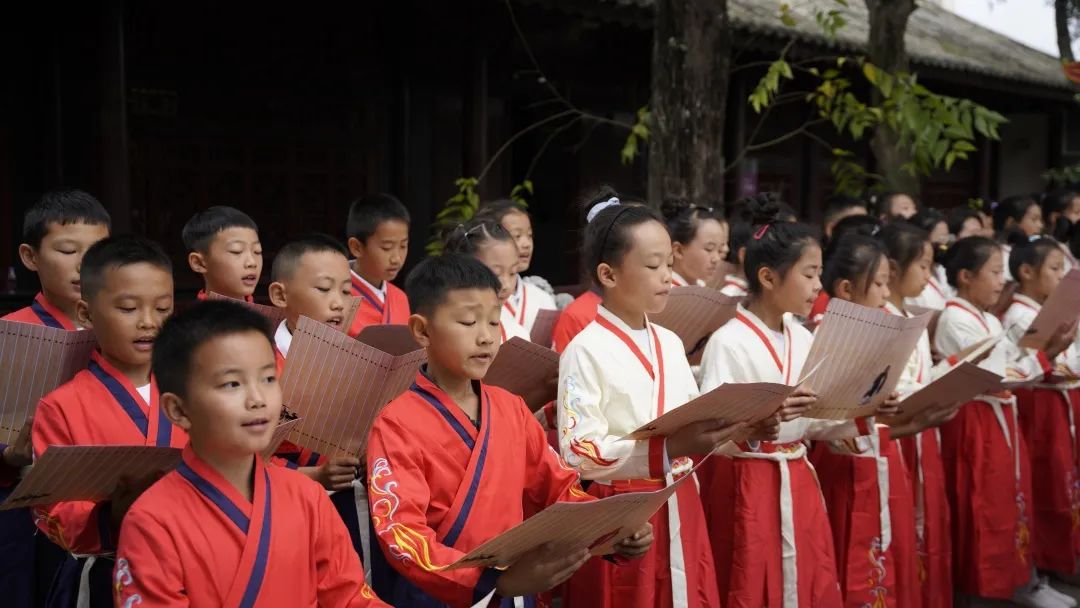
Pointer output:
595, 211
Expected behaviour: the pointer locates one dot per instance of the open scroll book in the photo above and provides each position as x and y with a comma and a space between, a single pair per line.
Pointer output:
543, 327
861, 352
87, 472
35, 360
526, 369
277, 315
1061, 308
337, 384
750, 403
693, 313
958, 385
570, 526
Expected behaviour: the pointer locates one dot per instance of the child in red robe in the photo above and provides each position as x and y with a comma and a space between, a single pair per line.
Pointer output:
224, 247
454, 462
127, 292
57, 231
378, 231
224, 528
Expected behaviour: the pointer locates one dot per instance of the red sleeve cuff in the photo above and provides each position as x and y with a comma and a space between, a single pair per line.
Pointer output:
656, 457
1045, 363
865, 425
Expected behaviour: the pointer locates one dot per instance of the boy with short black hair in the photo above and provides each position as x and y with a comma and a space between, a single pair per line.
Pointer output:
127, 292
378, 233
57, 231
454, 462
311, 278
837, 207
225, 529
223, 246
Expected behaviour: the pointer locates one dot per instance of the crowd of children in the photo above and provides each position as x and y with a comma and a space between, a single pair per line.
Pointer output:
963, 500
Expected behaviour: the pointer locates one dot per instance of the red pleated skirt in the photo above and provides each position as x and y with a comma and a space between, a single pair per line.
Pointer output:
742, 506
991, 510
646, 582
1044, 421
870, 574
934, 545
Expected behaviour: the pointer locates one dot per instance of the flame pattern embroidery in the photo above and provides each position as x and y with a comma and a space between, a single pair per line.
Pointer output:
580, 449
575, 490
876, 578
1023, 531
121, 579
404, 543
585, 448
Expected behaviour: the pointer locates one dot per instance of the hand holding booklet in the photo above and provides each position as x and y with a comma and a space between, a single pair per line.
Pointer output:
1060, 309
862, 352
87, 472
570, 526
958, 385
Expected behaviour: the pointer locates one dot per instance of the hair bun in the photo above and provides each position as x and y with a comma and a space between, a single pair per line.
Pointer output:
764, 208
674, 206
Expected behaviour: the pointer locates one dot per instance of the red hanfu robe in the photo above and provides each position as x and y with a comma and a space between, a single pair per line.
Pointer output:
987, 468
608, 387
192, 540
1048, 416
575, 318
41, 312
922, 458
767, 521
99, 406
439, 487
374, 308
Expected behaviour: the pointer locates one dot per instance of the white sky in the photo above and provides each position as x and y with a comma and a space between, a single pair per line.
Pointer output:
1028, 21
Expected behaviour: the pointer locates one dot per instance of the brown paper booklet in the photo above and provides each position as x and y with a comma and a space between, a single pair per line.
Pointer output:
543, 327
87, 472
526, 369
337, 385
1061, 308
35, 360
570, 526
693, 313
861, 353
958, 385
276, 315
750, 403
